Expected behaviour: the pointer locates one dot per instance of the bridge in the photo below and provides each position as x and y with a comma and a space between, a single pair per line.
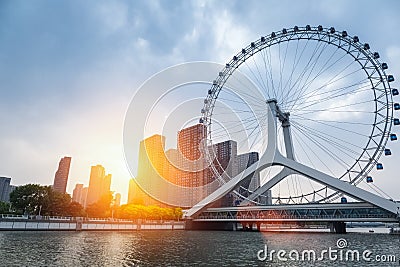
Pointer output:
276, 113
370, 208
333, 215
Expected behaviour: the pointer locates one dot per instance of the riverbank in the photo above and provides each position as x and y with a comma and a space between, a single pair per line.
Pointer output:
22, 224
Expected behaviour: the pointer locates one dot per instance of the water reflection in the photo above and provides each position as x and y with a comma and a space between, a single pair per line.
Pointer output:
177, 248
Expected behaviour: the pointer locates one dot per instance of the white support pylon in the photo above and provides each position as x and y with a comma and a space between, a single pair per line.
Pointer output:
272, 156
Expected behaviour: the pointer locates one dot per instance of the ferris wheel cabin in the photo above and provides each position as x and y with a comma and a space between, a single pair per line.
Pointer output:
388, 152
379, 166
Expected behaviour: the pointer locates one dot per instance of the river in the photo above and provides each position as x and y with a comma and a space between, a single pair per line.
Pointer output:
196, 248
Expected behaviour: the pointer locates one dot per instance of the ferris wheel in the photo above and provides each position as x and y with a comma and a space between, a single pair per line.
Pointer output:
332, 97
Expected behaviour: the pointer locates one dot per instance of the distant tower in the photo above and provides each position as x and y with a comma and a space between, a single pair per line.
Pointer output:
99, 184
5, 189
117, 200
82, 200
189, 144
77, 193
61, 177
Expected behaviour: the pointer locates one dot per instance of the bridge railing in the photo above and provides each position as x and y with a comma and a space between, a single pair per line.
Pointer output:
83, 219
286, 217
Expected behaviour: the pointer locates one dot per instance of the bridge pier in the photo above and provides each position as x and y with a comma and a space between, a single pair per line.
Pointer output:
251, 226
219, 226
222, 226
337, 227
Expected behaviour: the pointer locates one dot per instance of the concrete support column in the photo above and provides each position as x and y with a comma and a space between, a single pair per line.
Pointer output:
337, 227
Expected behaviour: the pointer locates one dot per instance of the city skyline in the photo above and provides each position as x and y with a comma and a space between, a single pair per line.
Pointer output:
164, 171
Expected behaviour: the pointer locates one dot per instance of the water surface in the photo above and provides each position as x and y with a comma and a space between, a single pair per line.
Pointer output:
182, 248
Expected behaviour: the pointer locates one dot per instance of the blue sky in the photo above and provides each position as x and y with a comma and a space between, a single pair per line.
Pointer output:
68, 69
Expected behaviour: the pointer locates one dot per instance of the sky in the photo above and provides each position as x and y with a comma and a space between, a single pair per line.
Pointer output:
69, 69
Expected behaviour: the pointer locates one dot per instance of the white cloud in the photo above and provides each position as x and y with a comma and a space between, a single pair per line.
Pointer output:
113, 15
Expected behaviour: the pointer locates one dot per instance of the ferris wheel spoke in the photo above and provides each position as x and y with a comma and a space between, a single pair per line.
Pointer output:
301, 142
308, 157
263, 82
330, 98
244, 141
329, 144
332, 140
303, 96
326, 150
331, 136
332, 107
291, 86
323, 69
340, 122
339, 128
243, 92
306, 69
281, 67
332, 92
268, 78
258, 77
233, 127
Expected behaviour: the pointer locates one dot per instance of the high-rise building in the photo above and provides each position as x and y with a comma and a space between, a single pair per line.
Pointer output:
5, 189
117, 200
83, 197
245, 161
106, 185
77, 193
192, 166
224, 167
99, 184
135, 195
189, 146
61, 176
139, 197
151, 171
190, 140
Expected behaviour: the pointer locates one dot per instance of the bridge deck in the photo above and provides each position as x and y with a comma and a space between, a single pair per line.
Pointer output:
349, 212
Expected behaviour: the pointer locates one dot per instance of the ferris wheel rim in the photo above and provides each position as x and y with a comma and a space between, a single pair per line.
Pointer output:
330, 36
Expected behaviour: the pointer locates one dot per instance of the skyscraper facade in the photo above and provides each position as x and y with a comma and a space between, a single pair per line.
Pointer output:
151, 171
61, 176
192, 171
190, 161
225, 166
77, 193
245, 161
5, 189
117, 200
83, 197
99, 184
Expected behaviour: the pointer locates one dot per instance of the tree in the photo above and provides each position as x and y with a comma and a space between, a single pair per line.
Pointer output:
133, 211
36, 199
4, 207
76, 210
29, 198
56, 203
101, 208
